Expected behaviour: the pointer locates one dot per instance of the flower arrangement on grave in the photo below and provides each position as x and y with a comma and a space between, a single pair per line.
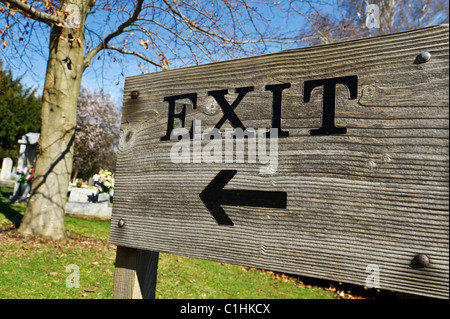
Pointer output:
25, 174
104, 181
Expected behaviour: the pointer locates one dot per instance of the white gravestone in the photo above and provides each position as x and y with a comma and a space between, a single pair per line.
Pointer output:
85, 201
27, 155
83, 195
6, 168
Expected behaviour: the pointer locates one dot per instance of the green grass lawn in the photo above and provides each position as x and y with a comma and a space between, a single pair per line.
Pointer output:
33, 268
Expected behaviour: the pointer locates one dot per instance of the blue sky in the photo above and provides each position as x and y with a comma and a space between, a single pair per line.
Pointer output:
30, 60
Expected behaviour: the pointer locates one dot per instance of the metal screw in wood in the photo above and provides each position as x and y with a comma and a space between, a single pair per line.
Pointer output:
420, 261
423, 57
134, 95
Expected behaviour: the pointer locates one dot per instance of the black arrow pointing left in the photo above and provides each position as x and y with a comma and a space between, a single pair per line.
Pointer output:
214, 196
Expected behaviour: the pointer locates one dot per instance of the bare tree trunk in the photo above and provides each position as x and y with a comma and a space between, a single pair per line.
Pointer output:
45, 212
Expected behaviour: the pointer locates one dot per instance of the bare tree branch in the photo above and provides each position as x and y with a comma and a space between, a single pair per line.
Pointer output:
139, 55
189, 23
117, 32
347, 18
32, 12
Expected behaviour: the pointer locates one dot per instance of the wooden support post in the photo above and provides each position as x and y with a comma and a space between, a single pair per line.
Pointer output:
135, 274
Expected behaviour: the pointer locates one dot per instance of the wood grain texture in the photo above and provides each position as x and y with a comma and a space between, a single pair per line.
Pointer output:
135, 273
377, 195
126, 285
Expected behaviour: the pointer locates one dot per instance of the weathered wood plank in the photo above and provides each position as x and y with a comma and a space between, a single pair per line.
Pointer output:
135, 273
126, 285
376, 195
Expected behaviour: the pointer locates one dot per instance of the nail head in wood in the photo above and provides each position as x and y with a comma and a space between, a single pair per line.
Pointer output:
134, 95
423, 57
420, 261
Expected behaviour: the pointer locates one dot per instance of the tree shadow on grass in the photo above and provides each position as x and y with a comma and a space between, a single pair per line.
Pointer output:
13, 212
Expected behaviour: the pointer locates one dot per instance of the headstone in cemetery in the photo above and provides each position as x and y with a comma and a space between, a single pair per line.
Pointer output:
27, 156
356, 187
27, 150
7, 165
87, 201
83, 195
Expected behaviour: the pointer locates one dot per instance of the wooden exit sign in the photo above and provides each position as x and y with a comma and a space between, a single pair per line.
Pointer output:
329, 161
